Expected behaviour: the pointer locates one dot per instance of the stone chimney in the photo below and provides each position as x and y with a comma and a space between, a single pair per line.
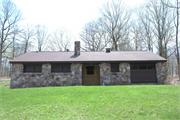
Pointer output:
108, 50
77, 48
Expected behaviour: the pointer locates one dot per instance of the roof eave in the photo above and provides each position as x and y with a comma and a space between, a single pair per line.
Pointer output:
87, 61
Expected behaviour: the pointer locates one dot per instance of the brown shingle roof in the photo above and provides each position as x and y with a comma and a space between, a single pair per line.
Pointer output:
115, 56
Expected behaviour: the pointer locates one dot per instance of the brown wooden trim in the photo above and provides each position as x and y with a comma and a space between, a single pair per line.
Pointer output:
91, 64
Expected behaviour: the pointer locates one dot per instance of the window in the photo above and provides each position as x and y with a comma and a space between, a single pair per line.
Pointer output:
55, 68
134, 67
142, 66
114, 67
32, 68
60, 68
65, 68
90, 70
151, 66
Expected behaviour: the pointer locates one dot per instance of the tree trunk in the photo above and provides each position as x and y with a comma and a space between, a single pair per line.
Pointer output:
26, 45
40, 49
0, 62
179, 72
115, 44
172, 67
177, 44
13, 46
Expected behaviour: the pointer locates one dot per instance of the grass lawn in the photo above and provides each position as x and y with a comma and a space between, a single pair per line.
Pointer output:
91, 102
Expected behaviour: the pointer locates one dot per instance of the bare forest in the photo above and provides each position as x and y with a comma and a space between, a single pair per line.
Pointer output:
153, 26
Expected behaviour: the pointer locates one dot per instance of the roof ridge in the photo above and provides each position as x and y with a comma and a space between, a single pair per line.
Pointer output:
91, 51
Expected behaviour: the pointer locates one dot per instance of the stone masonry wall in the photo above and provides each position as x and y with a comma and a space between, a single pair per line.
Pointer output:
46, 78
161, 72
115, 78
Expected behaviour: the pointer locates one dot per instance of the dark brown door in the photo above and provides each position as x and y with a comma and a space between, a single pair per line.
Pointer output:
91, 75
143, 73
143, 76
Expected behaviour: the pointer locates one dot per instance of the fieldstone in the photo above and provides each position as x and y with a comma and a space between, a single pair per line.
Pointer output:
114, 78
161, 72
18, 80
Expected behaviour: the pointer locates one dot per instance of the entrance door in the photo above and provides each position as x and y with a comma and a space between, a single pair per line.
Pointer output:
91, 75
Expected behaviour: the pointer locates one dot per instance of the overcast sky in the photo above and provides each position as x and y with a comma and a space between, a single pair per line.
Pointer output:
72, 14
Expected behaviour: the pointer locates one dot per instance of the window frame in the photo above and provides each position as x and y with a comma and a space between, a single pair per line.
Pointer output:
146, 64
134, 67
141, 66
33, 70
93, 67
117, 65
60, 65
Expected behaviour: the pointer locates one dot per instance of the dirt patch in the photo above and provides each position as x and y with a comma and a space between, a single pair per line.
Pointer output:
4, 82
173, 80
4, 85
5, 78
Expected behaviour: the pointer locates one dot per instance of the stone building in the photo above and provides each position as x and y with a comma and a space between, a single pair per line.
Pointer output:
41, 69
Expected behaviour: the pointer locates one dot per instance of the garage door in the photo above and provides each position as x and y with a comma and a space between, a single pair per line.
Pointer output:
143, 73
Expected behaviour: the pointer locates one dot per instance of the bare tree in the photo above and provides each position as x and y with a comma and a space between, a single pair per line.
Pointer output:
10, 15
27, 34
93, 37
116, 17
137, 36
176, 24
42, 37
61, 39
18, 44
5, 67
146, 28
161, 19
10, 52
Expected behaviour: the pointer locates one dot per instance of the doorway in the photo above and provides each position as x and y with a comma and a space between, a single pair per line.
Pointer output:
91, 75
